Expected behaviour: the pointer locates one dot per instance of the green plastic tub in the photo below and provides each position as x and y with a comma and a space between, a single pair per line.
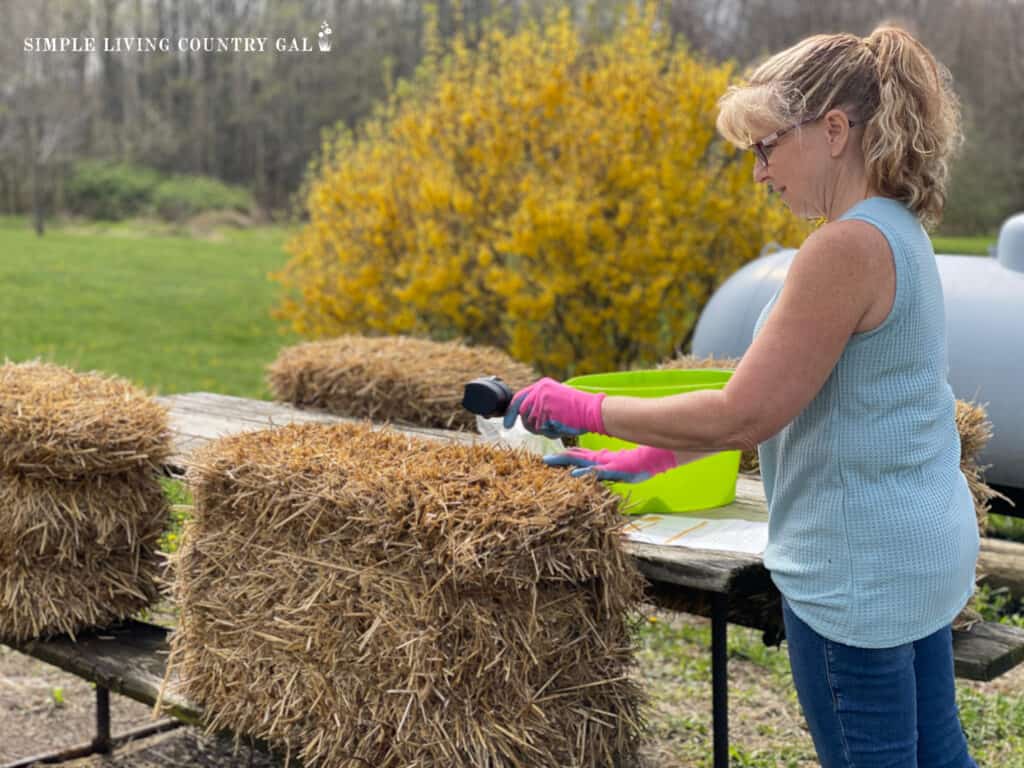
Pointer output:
702, 484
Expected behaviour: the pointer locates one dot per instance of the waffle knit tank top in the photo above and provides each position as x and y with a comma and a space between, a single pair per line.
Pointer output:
872, 536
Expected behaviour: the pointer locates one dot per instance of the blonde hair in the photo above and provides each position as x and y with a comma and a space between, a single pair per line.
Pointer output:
888, 82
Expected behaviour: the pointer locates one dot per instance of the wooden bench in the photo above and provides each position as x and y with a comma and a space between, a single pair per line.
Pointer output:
726, 587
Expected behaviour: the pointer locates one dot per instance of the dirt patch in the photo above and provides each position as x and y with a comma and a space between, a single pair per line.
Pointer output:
209, 224
43, 708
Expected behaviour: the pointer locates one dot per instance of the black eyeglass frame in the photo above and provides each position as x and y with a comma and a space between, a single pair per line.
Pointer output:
762, 149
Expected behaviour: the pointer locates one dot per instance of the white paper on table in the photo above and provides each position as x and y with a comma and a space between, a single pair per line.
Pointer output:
684, 530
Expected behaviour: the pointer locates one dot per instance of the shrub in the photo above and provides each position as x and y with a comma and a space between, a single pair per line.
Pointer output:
110, 191
568, 203
179, 197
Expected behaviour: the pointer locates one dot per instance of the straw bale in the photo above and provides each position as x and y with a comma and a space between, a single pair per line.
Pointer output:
68, 561
55, 422
361, 598
69, 519
81, 506
395, 378
56, 597
975, 430
687, 362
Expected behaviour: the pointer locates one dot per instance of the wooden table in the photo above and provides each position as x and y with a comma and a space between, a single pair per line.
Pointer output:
709, 577
727, 587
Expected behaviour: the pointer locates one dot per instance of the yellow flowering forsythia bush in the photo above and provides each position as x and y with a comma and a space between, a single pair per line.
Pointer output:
569, 204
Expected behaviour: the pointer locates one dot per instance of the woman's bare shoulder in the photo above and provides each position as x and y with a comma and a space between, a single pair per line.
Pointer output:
862, 254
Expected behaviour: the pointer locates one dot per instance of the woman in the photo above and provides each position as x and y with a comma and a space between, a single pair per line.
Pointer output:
872, 533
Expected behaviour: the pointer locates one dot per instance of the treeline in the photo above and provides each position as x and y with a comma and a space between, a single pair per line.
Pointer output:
255, 118
246, 118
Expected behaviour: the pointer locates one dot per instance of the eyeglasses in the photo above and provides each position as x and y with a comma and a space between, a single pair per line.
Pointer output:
763, 148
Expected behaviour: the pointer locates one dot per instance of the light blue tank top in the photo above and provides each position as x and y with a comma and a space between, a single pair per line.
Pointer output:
872, 535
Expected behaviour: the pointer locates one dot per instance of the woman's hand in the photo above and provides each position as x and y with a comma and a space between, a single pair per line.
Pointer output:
555, 410
632, 465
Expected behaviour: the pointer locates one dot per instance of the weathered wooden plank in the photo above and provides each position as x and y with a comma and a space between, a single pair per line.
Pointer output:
762, 611
199, 417
750, 489
184, 446
1001, 564
987, 650
238, 410
276, 414
129, 659
705, 569
242, 408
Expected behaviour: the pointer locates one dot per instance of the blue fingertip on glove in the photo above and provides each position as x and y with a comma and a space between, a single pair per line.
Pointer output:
586, 467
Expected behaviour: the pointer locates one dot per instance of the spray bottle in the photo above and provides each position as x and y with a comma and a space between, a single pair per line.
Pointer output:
489, 398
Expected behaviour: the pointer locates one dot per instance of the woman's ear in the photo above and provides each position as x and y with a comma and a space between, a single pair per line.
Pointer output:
837, 131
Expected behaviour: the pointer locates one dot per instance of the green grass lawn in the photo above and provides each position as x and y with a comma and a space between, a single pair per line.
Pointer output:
978, 246
171, 313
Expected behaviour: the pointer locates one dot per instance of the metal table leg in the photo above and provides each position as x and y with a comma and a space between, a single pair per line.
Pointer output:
101, 744
719, 680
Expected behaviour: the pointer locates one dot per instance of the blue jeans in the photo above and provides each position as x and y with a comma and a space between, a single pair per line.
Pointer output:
874, 707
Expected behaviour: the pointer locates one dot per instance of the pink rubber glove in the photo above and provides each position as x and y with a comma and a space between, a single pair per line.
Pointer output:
555, 410
631, 465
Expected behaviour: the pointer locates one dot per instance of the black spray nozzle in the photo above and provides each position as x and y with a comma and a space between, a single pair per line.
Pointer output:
487, 396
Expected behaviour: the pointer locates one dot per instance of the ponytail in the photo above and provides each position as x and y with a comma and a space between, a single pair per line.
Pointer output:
915, 129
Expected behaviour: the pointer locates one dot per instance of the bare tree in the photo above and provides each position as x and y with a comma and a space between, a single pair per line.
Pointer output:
42, 121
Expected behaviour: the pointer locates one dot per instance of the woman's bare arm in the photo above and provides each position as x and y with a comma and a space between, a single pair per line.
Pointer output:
832, 283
